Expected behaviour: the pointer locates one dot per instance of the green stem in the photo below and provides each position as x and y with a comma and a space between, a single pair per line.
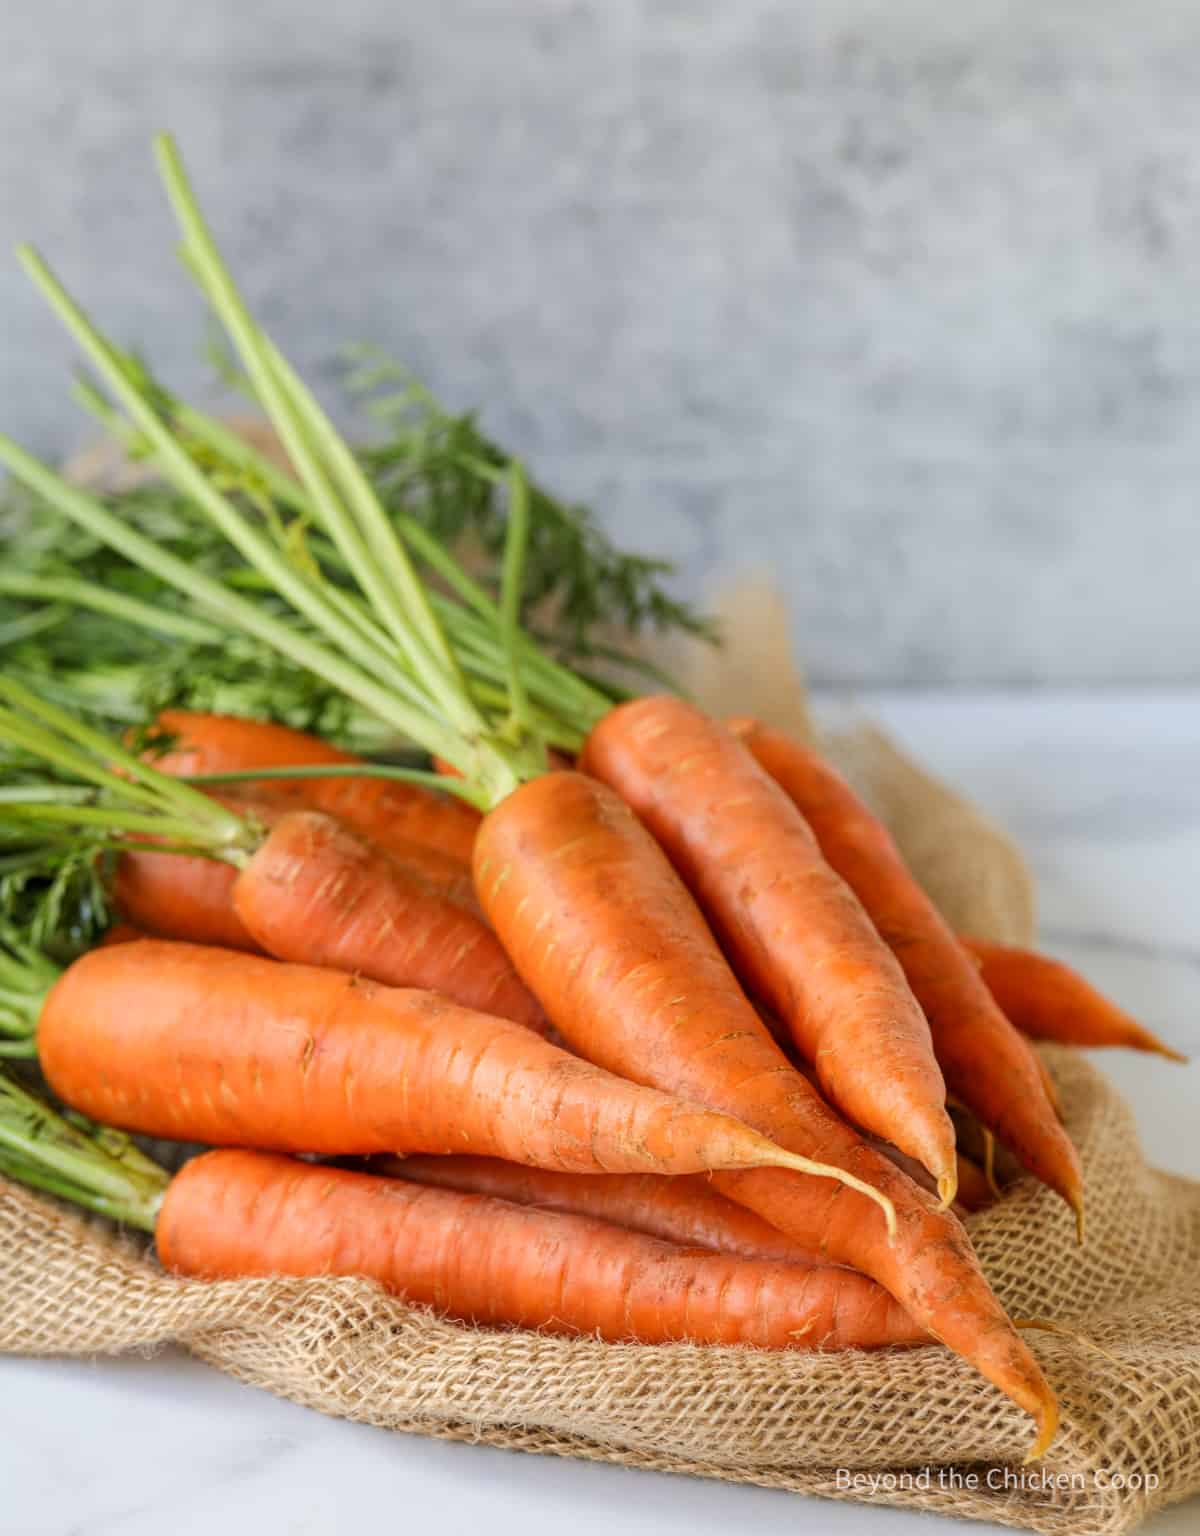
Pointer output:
65, 739
184, 474
85, 594
400, 595
26, 626
39, 1147
310, 443
116, 1144
47, 794
116, 819
234, 611
516, 543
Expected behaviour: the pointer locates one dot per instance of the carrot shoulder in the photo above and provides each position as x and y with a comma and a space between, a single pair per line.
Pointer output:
376, 808
234, 1050
317, 894
600, 926
1049, 1001
485, 1261
795, 931
987, 1064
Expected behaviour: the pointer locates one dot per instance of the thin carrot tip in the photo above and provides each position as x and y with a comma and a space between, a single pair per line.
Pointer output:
947, 1187
1080, 1223
1047, 1422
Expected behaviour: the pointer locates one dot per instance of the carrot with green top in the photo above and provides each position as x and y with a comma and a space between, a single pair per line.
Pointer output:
380, 810
302, 888
196, 1044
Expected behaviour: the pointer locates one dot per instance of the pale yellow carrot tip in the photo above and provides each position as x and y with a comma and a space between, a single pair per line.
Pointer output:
800, 1164
1080, 1225
989, 1162
947, 1188
1047, 1423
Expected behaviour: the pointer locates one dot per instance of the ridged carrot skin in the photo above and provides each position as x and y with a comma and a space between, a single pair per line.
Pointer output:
604, 932
685, 1209
987, 1064
973, 1192
378, 809
233, 1214
196, 1044
797, 935
317, 894
1048, 1000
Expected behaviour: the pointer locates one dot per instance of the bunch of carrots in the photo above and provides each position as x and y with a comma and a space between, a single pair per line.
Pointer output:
615, 1019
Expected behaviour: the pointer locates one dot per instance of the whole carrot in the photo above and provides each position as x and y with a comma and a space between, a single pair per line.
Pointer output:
796, 933
207, 1045
987, 1065
683, 1209
379, 809
1048, 1000
640, 987
231, 1214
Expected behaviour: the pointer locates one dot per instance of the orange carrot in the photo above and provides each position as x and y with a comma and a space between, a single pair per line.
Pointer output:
684, 1209
233, 1214
317, 894
124, 933
973, 1192
987, 1065
795, 932
1050, 1001
601, 927
176, 895
378, 809
208, 1045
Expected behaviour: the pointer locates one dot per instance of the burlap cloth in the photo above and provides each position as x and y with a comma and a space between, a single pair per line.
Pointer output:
934, 1434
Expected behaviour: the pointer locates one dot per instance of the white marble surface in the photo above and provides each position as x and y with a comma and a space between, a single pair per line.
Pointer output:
1103, 789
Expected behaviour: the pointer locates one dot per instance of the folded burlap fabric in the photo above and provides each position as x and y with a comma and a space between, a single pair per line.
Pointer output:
915, 1428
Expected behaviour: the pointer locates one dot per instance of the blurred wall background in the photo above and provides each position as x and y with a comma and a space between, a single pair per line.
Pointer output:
901, 302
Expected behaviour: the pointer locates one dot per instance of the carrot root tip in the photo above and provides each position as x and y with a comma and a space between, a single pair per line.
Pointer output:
1047, 1422
947, 1187
989, 1163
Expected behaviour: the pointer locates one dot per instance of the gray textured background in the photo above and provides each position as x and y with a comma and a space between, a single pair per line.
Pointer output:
902, 301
